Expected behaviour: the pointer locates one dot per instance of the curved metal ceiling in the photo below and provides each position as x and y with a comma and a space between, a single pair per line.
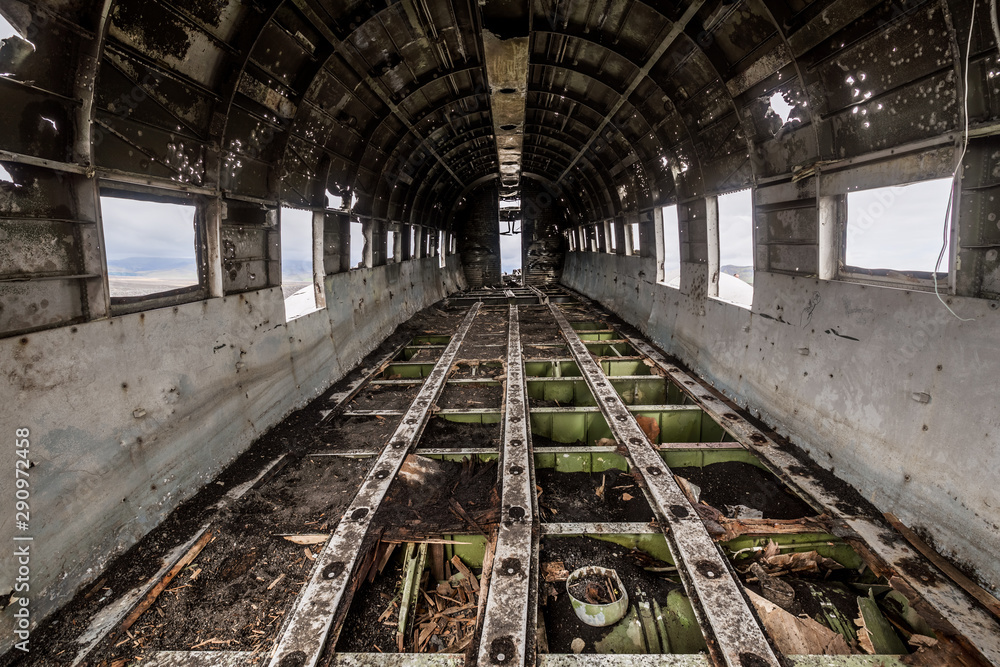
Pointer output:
629, 104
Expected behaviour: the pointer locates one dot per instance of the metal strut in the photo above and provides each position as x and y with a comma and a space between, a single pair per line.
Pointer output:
304, 637
505, 623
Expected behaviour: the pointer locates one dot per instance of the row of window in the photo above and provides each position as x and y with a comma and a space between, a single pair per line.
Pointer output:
898, 234
151, 248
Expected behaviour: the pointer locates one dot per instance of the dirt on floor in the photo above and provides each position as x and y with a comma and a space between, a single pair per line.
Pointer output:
236, 592
561, 623
545, 352
471, 396
571, 497
425, 356
443, 434
541, 441
54, 641
363, 631
441, 497
726, 485
351, 433
384, 397
477, 369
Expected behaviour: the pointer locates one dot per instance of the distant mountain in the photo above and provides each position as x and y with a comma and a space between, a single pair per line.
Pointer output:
296, 270
153, 267
744, 273
173, 268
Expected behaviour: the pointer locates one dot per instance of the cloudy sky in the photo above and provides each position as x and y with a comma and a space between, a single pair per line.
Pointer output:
510, 251
146, 229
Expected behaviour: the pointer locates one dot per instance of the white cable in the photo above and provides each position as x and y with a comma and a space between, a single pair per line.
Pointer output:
961, 157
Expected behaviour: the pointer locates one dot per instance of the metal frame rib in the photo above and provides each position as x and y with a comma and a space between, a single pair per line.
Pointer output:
304, 637
739, 638
505, 621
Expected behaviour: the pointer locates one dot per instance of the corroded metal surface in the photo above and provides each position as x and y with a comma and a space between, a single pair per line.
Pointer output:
505, 620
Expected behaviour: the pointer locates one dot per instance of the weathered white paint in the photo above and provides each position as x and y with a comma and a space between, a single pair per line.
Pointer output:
132, 415
854, 405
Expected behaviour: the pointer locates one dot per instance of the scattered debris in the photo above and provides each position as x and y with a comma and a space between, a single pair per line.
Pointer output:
578, 645
651, 427
306, 539
555, 572
797, 636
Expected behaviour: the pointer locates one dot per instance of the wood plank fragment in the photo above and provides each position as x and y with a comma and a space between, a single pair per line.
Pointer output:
150, 598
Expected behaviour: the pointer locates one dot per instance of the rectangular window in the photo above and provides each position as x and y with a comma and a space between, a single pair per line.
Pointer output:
151, 248
898, 229
357, 245
297, 279
442, 249
633, 238
671, 247
736, 247
390, 246
611, 235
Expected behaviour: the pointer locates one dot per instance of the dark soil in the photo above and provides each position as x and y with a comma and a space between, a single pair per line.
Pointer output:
427, 355
737, 483
441, 433
561, 622
385, 397
542, 441
540, 403
362, 632
489, 349
548, 352
53, 642
482, 370
350, 433
429, 507
595, 590
229, 600
470, 396
570, 497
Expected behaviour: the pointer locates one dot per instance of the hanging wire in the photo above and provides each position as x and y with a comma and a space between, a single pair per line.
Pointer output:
961, 155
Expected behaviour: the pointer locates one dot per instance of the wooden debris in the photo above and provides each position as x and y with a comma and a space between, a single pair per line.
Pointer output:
150, 598
276, 581
471, 578
305, 540
650, 426
794, 635
419, 470
875, 633
555, 572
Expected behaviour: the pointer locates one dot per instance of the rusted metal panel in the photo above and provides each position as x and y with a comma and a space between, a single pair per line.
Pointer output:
309, 622
723, 611
505, 627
